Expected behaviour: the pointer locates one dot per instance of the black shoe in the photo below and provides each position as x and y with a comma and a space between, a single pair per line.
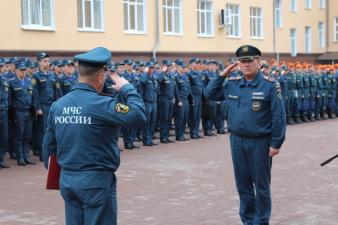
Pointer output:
180, 139
35, 153
27, 161
2, 165
170, 141
221, 132
21, 162
148, 144
194, 136
13, 156
128, 146
298, 120
318, 117
164, 141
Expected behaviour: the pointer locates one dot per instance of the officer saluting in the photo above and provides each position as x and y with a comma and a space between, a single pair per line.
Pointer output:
82, 130
257, 124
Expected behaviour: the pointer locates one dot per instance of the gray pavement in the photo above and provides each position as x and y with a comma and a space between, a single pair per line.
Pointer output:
191, 183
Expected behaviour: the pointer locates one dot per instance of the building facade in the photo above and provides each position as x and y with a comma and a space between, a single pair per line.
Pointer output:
306, 29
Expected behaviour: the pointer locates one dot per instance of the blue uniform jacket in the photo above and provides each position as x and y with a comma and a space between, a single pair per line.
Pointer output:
254, 110
4, 93
196, 82
83, 127
22, 95
148, 88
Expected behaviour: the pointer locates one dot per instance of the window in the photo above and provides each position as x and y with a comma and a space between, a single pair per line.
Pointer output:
134, 16
37, 14
256, 22
90, 15
278, 13
172, 16
322, 4
308, 39
293, 41
293, 5
308, 4
204, 18
321, 35
234, 29
335, 29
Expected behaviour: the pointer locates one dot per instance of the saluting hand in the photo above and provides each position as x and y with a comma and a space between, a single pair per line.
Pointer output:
228, 70
119, 81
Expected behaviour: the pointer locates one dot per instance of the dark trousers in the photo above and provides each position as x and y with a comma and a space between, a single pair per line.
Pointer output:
220, 116
195, 115
181, 118
149, 128
41, 125
166, 108
209, 121
3, 133
23, 132
129, 135
90, 197
252, 167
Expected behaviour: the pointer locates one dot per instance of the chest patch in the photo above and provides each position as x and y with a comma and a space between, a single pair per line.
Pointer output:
256, 106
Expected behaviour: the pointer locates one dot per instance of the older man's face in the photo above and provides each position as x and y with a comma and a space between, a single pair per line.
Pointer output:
249, 67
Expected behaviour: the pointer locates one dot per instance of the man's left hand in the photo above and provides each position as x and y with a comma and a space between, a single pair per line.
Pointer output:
273, 152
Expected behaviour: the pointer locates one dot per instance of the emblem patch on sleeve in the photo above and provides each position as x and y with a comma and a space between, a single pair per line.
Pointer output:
33, 81
121, 108
279, 90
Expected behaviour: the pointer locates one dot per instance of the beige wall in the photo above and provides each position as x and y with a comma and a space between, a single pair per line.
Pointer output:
66, 36
333, 12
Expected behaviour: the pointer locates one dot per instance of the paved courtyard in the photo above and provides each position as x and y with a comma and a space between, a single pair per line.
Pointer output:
192, 183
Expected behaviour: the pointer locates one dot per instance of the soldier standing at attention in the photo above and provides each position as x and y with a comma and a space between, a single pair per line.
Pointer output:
257, 124
82, 131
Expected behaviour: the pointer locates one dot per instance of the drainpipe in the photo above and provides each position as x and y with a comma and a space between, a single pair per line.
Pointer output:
274, 31
327, 30
157, 30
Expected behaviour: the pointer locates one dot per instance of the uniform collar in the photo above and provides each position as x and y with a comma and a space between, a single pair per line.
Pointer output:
253, 83
83, 86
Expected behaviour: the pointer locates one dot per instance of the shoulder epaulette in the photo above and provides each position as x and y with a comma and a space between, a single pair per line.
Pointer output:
269, 79
234, 78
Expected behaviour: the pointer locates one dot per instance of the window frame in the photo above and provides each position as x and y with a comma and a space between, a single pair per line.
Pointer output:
144, 17
199, 19
335, 29
91, 29
173, 7
40, 27
321, 35
230, 6
261, 23
279, 17
322, 4
308, 43
293, 52
294, 6
308, 4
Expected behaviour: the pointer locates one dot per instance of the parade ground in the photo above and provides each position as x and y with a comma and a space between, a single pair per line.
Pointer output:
192, 183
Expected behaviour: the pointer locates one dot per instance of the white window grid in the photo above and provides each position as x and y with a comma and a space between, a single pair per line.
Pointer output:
234, 30
256, 23
293, 5
293, 42
95, 22
278, 13
134, 16
321, 35
172, 13
44, 17
308, 4
205, 18
322, 4
308, 39
335, 38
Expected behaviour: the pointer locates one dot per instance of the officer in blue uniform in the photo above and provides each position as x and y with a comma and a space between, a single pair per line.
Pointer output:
149, 91
167, 89
184, 99
197, 90
68, 80
257, 124
4, 103
48, 89
82, 131
23, 106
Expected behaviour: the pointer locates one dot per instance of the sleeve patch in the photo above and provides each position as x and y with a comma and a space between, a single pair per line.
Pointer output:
121, 108
279, 90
